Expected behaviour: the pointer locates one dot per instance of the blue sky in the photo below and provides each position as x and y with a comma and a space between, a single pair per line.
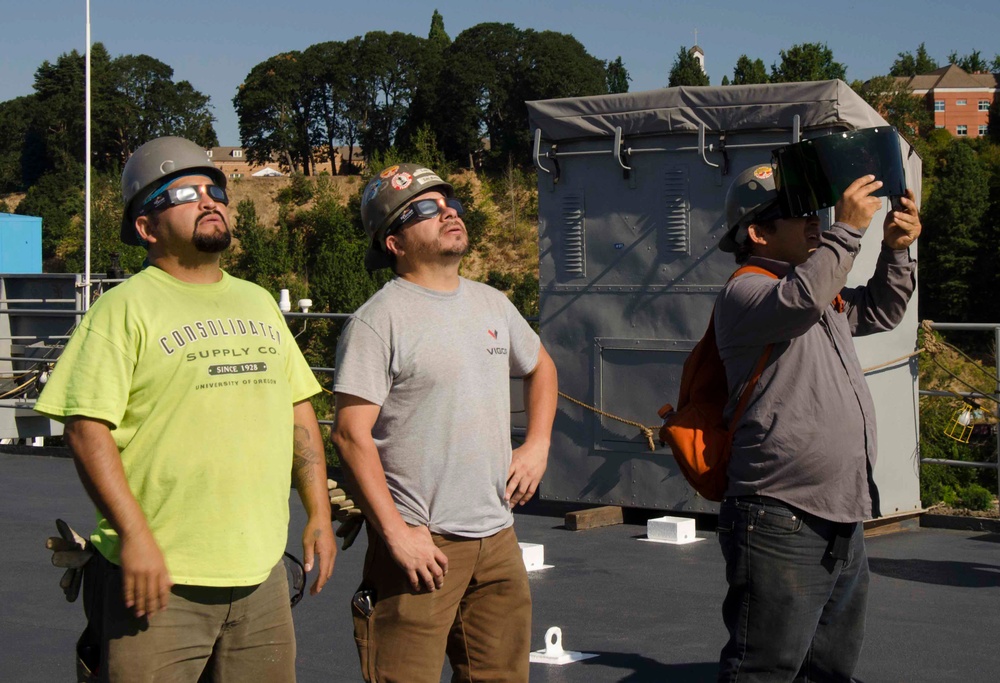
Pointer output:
215, 44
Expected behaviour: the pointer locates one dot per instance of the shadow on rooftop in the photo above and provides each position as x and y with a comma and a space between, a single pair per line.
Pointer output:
940, 572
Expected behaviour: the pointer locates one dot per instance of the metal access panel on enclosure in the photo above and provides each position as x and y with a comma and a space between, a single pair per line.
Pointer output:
631, 196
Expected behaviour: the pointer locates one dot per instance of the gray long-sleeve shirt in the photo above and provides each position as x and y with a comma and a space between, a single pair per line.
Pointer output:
807, 437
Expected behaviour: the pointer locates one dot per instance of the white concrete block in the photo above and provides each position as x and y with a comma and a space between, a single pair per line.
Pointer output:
675, 530
533, 555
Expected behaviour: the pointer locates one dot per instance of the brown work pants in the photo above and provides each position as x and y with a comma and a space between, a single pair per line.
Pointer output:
480, 618
237, 634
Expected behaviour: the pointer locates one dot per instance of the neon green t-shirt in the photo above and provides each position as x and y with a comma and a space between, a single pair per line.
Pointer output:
198, 382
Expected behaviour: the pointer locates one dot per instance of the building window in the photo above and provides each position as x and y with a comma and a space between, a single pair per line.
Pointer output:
984, 105
983, 130
960, 103
237, 153
939, 125
938, 105
961, 130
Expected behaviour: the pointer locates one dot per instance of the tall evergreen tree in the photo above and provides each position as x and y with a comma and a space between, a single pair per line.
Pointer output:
749, 71
971, 63
956, 208
617, 76
686, 70
907, 64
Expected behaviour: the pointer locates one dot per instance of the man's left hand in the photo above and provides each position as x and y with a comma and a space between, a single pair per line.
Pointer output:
527, 465
318, 541
902, 228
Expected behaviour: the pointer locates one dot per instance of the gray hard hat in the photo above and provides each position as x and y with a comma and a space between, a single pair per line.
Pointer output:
750, 194
157, 162
384, 198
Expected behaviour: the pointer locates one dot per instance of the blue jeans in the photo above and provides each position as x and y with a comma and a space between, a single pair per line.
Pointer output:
794, 612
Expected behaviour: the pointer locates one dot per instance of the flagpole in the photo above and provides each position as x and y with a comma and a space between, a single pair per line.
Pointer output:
86, 166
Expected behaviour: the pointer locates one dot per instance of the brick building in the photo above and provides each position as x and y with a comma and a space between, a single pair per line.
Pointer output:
234, 163
960, 101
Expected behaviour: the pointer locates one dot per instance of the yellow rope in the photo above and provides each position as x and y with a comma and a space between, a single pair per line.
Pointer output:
646, 431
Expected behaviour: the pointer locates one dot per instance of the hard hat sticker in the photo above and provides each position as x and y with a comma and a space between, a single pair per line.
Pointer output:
428, 179
373, 189
389, 171
401, 181
762, 172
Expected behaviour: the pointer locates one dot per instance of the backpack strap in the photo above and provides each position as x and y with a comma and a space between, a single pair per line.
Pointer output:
764, 356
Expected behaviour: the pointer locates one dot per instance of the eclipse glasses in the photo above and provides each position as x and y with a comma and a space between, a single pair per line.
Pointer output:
425, 209
164, 199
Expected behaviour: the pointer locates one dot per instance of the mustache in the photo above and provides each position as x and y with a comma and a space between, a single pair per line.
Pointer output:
212, 212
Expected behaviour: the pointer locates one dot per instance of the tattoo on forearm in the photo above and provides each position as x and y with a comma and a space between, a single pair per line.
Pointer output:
304, 456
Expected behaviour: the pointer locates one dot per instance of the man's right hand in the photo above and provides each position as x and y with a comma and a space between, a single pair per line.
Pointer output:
857, 207
425, 564
145, 580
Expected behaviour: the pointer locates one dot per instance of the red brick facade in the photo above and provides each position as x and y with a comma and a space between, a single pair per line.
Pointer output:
959, 101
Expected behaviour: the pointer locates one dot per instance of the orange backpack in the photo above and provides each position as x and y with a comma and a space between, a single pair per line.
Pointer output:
696, 432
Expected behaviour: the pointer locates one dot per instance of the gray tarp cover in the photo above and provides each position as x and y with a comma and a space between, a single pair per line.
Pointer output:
681, 110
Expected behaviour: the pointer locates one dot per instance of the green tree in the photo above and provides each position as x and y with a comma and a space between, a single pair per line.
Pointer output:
149, 104
972, 63
908, 64
686, 70
421, 111
807, 62
274, 105
437, 35
326, 68
956, 208
15, 122
133, 99
492, 70
477, 97
58, 198
895, 101
392, 62
105, 229
749, 71
618, 77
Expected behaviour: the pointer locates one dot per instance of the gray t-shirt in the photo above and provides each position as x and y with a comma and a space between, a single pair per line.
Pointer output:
439, 365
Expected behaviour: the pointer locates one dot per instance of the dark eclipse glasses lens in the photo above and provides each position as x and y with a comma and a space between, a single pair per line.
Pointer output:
425, 209
185, 195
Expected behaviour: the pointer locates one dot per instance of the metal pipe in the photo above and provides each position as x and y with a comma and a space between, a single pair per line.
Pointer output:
617, 150
87, 162
996, 365
701, 146
960, 463
536, 155
963, 394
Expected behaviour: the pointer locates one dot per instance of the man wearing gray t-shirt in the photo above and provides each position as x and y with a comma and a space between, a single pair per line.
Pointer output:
423, 430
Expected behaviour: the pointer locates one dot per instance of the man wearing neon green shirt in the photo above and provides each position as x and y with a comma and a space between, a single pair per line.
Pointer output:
185, 401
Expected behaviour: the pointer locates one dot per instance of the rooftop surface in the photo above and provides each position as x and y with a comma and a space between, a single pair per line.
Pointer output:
651, 611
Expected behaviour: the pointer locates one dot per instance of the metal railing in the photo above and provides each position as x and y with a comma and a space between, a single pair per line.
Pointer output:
973, 327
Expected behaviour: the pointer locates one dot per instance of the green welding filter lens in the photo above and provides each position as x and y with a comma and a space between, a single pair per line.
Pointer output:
813, 174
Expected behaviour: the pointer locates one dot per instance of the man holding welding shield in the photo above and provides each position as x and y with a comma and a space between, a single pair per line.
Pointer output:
800, 474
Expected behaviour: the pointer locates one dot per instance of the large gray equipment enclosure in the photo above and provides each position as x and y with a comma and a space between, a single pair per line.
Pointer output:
631, 209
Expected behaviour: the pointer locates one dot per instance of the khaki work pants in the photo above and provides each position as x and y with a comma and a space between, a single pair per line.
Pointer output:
240, 634
480, 618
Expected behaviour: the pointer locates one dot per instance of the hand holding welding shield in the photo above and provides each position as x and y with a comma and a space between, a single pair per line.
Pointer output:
852, 170
902, 225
